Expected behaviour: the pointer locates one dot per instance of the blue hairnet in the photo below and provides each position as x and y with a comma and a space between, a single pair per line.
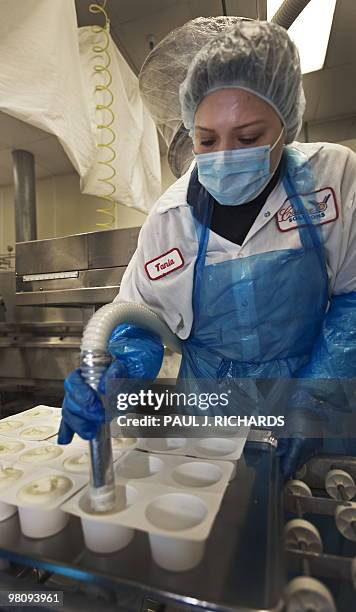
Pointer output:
257, 56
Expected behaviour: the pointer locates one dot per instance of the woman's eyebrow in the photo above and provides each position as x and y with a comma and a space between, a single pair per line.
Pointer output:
203, 129
256, 122
236, 127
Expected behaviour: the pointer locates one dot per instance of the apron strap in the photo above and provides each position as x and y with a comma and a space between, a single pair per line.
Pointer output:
202, 205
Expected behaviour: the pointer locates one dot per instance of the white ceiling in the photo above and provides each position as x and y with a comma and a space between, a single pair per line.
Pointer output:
133, 21
330, 93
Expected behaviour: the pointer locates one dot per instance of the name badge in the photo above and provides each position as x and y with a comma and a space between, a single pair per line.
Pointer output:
164, 264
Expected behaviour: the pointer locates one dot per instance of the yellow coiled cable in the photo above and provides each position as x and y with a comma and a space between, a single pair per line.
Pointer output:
104, 68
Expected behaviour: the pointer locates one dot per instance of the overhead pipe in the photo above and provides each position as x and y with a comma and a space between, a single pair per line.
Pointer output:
25, 195
288, 12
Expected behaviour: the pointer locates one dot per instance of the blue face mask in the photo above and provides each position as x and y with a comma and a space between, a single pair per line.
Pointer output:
237, 176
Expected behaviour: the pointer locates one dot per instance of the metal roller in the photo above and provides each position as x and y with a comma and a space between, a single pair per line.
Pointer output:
306, 594
345, 518
298, 487
302, 535
340, 485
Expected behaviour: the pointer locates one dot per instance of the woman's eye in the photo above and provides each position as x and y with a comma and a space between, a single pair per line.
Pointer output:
207, 143
247, 141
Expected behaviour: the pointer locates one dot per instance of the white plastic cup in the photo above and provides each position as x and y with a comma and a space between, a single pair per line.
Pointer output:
37, 412
122, 443
165, 445
6, 510
197, 474
176, 555
36, 523
173, 513
105, 537
138, 465
217, 447
39, 432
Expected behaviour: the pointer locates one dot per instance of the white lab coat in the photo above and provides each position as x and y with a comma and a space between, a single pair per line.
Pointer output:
160, 274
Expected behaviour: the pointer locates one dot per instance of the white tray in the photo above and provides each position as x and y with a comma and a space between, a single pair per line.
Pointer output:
174, 471
177, 511
219, 448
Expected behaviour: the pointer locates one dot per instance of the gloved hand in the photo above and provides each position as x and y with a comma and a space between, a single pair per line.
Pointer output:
306, 440
294, 452
137, 353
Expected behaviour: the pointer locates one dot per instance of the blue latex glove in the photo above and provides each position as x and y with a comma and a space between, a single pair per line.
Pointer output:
306, 430
139, 350
137, 354
82, 410
294, 452
326, 388
329, 376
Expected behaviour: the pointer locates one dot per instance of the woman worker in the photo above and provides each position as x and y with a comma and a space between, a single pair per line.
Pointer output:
250, 257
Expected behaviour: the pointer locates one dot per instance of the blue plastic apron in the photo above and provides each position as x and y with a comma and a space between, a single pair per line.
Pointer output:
257, 316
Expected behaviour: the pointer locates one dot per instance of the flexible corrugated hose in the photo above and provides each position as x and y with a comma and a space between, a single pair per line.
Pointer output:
94, 361
288, 12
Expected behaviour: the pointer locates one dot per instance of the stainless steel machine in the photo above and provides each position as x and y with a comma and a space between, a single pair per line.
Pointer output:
57, 286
